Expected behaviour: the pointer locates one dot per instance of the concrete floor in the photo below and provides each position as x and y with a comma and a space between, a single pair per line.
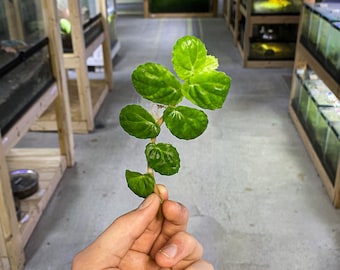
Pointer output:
255, 199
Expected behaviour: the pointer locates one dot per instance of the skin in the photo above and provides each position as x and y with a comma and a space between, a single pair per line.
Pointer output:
141, 240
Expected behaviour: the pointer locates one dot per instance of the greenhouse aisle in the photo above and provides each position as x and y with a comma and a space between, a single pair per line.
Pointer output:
255, 199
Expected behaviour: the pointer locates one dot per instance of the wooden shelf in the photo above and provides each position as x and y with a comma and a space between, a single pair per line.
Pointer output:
243, 42
82, 90
50, 163
99, 90
232, 19
314, 156
304, 59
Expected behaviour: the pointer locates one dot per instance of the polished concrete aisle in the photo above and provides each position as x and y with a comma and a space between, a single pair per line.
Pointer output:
255, 199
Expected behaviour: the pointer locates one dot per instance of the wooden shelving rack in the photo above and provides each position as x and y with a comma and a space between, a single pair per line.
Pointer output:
148, 14
304, 58
235, 12
86, 95
231, 13
50, 163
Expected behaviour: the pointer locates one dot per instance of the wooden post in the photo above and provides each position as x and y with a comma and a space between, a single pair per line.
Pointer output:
62, 102
106, 45
11, 248
79, 50
146, 9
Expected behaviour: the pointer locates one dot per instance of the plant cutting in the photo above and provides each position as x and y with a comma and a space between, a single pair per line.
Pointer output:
197, 81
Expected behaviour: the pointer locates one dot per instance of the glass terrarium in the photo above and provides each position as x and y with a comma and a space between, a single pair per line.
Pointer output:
92, 26
333, 51
332, 150
179, 6
330, 13
25, 69
274, 6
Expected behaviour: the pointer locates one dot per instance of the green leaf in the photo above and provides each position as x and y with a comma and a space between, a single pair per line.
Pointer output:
185, 122
207, 90
211, 63
189, 56
163, 158
138, 122
141, 184
156, 83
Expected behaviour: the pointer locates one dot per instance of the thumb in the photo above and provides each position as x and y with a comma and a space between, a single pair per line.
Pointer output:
108, 249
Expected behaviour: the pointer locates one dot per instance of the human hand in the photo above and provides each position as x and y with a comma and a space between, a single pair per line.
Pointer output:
141, 240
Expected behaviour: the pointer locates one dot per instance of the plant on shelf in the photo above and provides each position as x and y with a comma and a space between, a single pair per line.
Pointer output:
199, 82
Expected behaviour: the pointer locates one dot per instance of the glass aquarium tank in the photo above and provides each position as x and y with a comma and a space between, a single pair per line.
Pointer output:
307, 13
271, 50
321, 97
329, 14
90, 21
333, 52
332, 150
313, 29
111, 18
298, 88
304, 99
274, 6
25, 68
179, 6
273, 42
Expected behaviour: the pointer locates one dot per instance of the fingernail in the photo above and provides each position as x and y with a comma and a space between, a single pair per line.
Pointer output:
170, 251
146, 202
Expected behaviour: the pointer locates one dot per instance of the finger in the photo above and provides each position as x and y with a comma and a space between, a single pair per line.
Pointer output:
163, 192
179, 252
116, 240
176, 218
200, 265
